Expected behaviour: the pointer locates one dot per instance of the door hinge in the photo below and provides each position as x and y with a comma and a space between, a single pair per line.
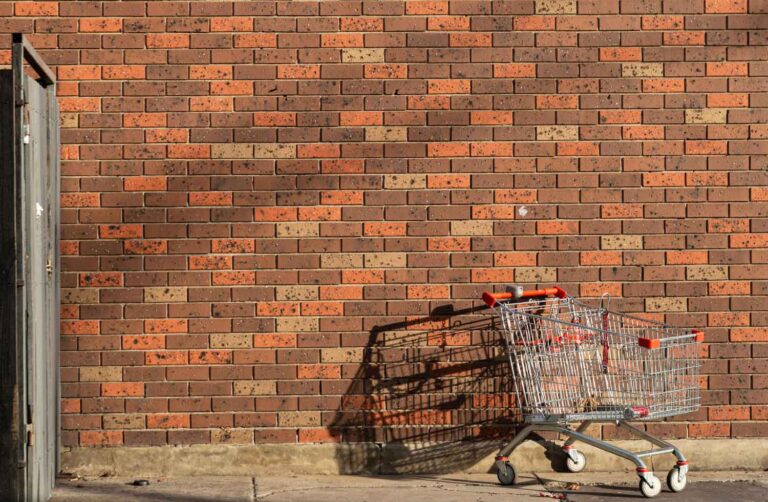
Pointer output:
30, 427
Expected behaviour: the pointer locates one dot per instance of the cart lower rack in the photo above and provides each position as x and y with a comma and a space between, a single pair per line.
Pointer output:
573, 362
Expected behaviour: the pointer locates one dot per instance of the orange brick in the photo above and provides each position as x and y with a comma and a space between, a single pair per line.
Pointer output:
620, 116
621, 54
165, 357
232, 245
322, 308
448, 181
597, 289
231, 23
706, 147
727, 69
727, 100
662, 22
492, 149
145, 183
210, 104
728, 319
709, 430
577, 148
684, 38
325, 150
166, 135
491, 117
69, 405
663, 179
210, 356
319, 371
386, 71
298, 71
319, 214
210, 262
516, 196
101, 279
362, 24
79, 104
232, 87
319, 436
167, 40
749, 240
384, 229
144, 120
278, 309
124, 72
452, 23
448, 149
342, 197
729, 288
189, 151
687, 257
79, 72
706, 179
663, 85
79, 327
429, 102
360, 118
498, 275
612, 211
260, 40
418, 7
168, 421
275, 214
209, 72
36, 8
126, 231
749, 334
643, 132
725, 6
122, 389
80, 200
448, 244
355, 277
143, 342
547, 102
723, 413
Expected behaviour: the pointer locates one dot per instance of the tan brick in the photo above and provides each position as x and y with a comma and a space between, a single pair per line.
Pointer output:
405, 181
227, 435
382, 134
297, 324
341, 260
231, 341
129, 421
299, 419
79, 296
165, 294
255, 387
706, 272
68, 120
472, 227
232, 151
362, 55
557, 133
556, 6
642, 69
535, 274
101, 374
706, 116
296, 293
342, 355
621, 242
385, 260
274, 151
665, 304
298, 229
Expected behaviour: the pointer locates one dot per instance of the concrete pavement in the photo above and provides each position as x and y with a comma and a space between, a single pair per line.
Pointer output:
582, 487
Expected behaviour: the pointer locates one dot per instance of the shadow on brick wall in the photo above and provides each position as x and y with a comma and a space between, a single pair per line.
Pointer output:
434, 393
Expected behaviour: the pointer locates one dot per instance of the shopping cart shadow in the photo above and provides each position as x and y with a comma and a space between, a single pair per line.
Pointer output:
435, 394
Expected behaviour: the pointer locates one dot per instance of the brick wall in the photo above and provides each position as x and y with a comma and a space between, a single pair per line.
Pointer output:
278, 216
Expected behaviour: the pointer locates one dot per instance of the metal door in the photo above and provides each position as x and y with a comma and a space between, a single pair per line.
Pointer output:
29, 275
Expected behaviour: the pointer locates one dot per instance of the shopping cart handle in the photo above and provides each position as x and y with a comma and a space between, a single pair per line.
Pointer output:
517, 293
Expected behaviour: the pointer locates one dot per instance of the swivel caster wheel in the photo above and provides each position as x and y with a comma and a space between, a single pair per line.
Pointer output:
676, 481
650, 486
577, 465
506, 474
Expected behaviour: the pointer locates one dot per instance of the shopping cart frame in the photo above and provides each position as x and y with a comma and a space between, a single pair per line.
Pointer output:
649, 484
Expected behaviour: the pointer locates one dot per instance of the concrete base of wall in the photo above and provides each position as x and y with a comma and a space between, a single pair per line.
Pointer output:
362, 458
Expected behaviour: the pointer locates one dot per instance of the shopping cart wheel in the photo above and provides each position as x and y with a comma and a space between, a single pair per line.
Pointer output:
650, 488
506, 474
675, 481
577, 465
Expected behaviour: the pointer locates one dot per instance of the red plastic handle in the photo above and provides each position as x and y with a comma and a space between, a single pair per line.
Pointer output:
491, 299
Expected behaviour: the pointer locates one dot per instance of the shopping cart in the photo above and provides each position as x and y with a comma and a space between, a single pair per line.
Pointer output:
573, 362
